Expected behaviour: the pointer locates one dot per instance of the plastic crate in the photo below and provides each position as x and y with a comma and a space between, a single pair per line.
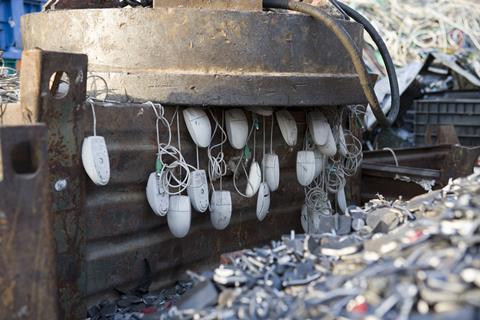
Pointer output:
460, 109
10, 35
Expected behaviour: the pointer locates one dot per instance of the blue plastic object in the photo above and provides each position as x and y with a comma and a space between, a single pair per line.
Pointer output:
10, 35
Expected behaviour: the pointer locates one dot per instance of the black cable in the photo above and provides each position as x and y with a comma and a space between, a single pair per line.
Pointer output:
336, 5
387, 59
351, 48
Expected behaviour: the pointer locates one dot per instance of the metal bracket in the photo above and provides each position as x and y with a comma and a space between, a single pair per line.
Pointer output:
55, 89
27, 269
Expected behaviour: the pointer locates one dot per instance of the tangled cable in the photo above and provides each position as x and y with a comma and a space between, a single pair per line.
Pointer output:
217, 166
316, 196
9, 87
411, 27
176, 173
244, 157
333, 176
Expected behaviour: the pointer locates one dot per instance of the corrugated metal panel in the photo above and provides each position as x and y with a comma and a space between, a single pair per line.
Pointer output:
121, 229
104, 233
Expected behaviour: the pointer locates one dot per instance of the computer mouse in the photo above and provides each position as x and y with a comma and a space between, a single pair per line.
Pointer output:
271, 165
220, 209
330, 148
157, 197
319, 127
179, 216
288, 127
254, 179
95, 159
263, 201
305, 167
198, 190
236, 124
198, 125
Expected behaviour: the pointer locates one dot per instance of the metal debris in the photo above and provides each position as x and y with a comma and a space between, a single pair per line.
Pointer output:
406, 260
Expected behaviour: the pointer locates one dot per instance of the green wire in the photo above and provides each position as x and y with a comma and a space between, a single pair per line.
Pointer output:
158, 165
247, 153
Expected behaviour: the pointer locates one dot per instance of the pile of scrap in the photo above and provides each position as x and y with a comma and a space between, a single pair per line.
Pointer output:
411, 28
414, 258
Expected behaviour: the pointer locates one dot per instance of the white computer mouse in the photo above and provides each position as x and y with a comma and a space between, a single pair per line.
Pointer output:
179, 216
198, 190
330, 148
304, 218
261, 111
95, 159
157, 197
254, 179
198, 125
319, 163
271, 165
263, 201
342, 200
305, 167
288, 127
236, 124
221, 209
319, 127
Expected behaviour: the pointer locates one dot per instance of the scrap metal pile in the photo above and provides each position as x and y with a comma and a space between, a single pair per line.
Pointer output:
387, 270
9, 88
412, 260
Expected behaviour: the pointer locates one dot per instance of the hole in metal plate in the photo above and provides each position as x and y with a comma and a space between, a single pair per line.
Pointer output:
59, 85
24, 157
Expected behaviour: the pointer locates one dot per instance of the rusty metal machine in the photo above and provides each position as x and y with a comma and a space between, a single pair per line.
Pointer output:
216, 54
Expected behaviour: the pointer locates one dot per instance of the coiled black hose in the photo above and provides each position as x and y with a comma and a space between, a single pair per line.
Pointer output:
354, 53
387, 59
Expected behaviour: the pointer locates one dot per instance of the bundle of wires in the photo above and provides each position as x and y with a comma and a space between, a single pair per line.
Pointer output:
411, 27
9, 88
171, 164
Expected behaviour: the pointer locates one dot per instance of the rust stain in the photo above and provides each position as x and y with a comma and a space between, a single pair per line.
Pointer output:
7, 292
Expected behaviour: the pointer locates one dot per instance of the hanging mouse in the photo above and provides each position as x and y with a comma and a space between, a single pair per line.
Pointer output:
271, 165
198, 125
255, 173
157, 196
179, 215
221, 200
95, 155
288, 127
236, 125
263, 197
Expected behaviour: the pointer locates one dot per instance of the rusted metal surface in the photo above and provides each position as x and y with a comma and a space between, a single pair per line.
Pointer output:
182, 56
438, 163
27, 266
63, 118
122, 230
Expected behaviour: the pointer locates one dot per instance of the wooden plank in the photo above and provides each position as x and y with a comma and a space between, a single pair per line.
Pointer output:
30, 75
